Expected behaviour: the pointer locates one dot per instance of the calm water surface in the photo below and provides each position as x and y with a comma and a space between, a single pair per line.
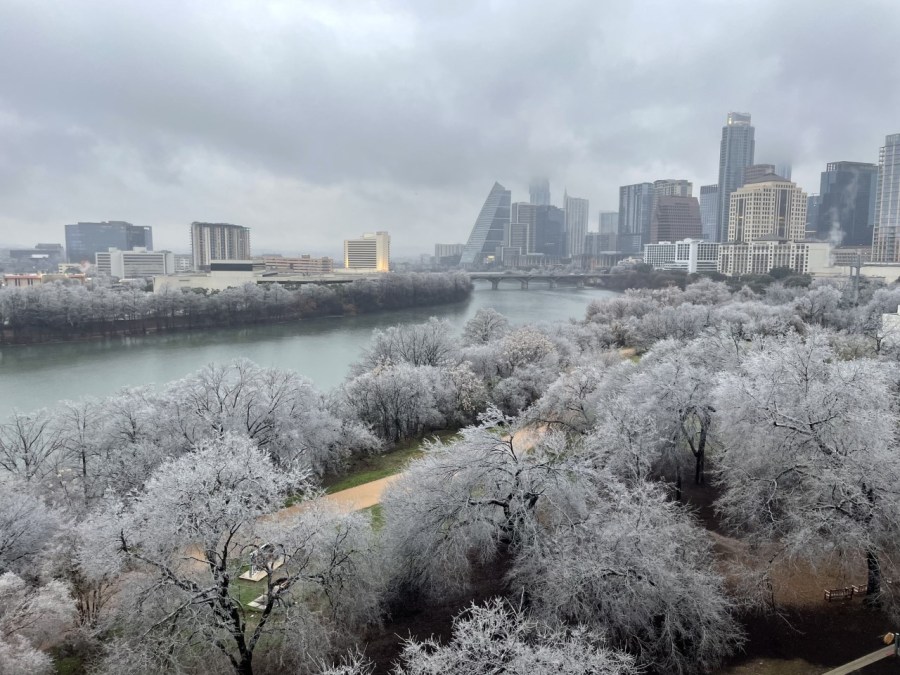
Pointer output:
38, 376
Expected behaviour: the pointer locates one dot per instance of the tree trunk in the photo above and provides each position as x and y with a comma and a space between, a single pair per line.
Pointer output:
873, 582
700, 456
245, 666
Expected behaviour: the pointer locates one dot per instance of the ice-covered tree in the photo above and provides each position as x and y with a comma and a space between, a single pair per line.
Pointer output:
432, 343
29, 617
633, 565
467, 501
808, 455
397, 400
488, 325
27, 526
188, 536
498, 638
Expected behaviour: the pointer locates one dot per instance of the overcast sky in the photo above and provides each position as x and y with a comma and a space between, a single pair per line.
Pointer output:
311, 122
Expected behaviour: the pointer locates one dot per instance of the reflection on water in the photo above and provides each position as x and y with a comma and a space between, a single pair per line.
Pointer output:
321, 349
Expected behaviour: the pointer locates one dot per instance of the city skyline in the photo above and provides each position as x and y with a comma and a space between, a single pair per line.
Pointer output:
247, 148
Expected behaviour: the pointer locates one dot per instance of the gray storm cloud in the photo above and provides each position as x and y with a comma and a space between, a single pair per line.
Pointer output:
311, 122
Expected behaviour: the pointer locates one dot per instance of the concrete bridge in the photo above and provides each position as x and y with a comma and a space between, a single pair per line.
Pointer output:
552, 279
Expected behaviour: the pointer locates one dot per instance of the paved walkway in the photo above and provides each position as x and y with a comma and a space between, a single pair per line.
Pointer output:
346, 501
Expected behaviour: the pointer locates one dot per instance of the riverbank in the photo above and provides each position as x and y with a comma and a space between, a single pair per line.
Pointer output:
322, 350
57, 313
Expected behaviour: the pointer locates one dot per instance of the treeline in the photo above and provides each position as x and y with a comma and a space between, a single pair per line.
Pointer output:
126, 522
643, 276
58, 312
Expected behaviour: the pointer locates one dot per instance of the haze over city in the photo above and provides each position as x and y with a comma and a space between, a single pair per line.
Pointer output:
310, 123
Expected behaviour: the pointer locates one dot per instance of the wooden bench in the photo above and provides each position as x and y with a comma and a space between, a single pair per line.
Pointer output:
839, 594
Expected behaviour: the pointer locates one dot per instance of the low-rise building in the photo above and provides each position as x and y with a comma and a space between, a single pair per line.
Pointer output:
690, 255
303, 264
369, 253
763, 255
138, 263
23, 280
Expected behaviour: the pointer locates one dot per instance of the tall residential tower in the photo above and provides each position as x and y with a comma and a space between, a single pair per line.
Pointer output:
886, 237
576, 224
735, 154
218, 241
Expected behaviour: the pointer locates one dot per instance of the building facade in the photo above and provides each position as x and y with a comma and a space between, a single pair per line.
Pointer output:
672, 187
369, 253
846, 213
522, 219
304, 264
709, 209
762, 256
813, 209
549, 232
770, 207
218, 241
490, 230
689, 255
675, 218
85, 240
754, 172
184, 262
885, 239
576, 224
539, 192
635, 203
736, 153
138, 263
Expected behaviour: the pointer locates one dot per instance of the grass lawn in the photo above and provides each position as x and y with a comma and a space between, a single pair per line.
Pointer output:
374, 467
376, 516
68, 665
247, 591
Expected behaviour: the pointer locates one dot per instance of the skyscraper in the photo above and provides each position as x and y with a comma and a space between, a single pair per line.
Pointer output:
635, 203
770, 207
539, 192
522, 214
756, 171
709, 210
671, 187
85, 240
847, 207
813, 209
218, 241
735, 154
885, 239
490, 230
550, 231
609, 222
609, 228
576, 224
675, 218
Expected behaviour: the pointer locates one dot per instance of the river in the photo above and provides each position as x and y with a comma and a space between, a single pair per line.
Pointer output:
37, 376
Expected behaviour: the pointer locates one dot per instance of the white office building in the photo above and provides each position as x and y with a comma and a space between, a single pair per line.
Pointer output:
139, 263
690, 255
369, 253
